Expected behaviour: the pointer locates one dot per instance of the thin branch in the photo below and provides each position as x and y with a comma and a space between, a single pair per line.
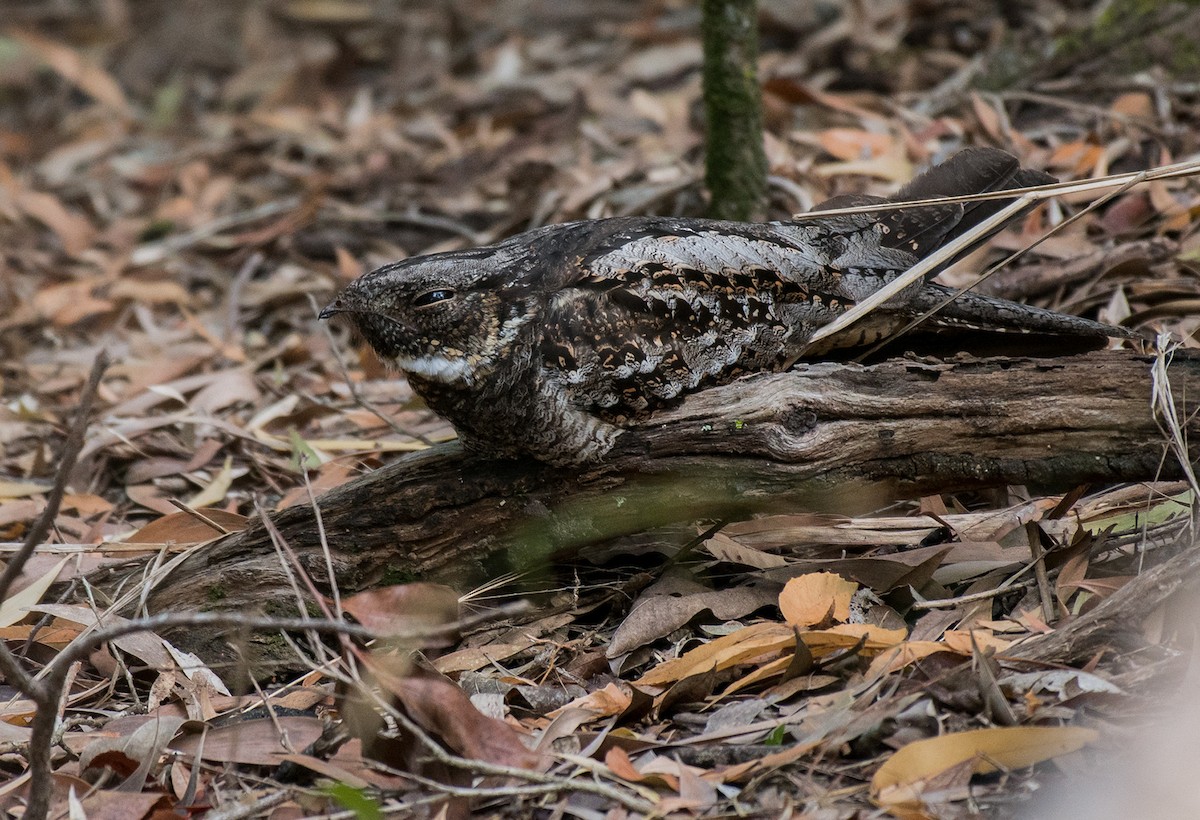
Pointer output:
66, 463
481, 767
45, 694
950, 603
199, 516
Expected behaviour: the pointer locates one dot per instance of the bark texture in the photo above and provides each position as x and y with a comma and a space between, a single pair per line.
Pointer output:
826, 436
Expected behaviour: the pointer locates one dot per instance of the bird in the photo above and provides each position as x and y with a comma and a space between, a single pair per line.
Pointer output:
549, 344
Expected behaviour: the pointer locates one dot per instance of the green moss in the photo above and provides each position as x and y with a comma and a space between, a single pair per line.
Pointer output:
394, 576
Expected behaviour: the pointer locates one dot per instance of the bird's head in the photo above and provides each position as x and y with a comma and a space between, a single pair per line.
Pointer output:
447, 318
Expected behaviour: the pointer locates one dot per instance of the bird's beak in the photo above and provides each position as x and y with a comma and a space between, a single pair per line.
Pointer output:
332, 309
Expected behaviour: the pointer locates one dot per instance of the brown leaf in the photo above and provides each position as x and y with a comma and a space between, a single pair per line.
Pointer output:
476, 657
404, 609
122, 805
69, 303
76, 69
73, 230
135, 753
724, 548
445, 711
1127, 214
257, 742
184, 528
673, 601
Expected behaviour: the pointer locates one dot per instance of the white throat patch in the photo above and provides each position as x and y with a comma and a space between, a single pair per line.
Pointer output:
436, 368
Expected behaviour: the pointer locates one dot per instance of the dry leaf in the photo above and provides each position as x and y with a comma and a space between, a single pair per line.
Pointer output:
404, 610
184, 528
672, 602
17, 605
900, 779
259, 742
215, 492
77, 69
816, 598
742, 646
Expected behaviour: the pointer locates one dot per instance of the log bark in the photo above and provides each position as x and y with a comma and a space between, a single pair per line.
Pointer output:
824, 436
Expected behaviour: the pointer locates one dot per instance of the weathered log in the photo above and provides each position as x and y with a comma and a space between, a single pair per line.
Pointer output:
810, 438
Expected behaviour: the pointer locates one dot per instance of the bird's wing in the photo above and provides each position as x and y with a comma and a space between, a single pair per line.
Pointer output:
660, 308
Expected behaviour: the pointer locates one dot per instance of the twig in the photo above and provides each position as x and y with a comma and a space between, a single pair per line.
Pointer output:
334, 592
70, 452
1040, 576
199, 516
556, 785
248, 808
46, 694
481, 767
949, 603
157, 251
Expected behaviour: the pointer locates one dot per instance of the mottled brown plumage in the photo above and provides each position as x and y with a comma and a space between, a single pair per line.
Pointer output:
545, 344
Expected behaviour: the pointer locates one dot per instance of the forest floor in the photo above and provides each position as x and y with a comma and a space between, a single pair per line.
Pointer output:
185, 185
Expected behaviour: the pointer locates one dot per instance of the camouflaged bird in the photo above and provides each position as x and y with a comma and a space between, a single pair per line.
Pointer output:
547, 343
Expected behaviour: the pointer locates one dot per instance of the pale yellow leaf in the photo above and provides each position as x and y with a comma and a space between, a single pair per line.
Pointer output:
15, 607
21, 489
900, 778
214, 493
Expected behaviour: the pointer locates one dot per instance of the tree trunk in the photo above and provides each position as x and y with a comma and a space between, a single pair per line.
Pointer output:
825, 436
735, 161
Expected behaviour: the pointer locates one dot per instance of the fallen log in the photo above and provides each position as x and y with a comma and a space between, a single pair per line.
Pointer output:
823, 436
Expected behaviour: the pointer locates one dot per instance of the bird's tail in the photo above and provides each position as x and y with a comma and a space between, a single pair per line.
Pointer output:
1003, 315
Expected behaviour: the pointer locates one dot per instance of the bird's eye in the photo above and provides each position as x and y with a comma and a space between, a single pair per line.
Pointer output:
431, 297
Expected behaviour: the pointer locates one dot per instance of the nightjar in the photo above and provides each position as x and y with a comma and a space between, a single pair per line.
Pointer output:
547, 343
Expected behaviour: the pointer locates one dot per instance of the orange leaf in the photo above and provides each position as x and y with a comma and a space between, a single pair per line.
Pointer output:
853, 143
1133, 104
613, 699
825, 641
815, 598
728, 650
